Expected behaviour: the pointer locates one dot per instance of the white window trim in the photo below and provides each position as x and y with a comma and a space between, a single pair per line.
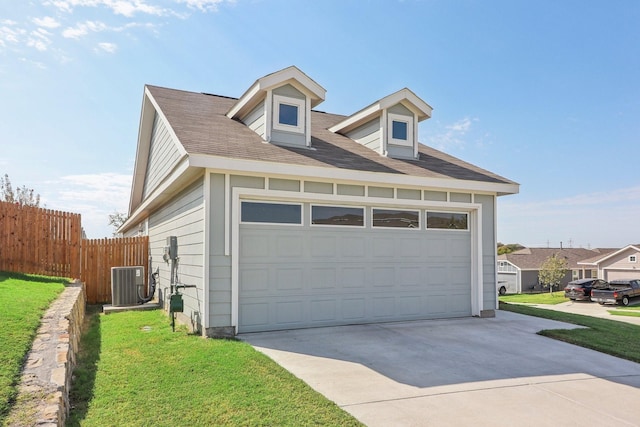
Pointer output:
419, 227
269, 202
299, 103
465, 230
364, 216
633, 258
391, 117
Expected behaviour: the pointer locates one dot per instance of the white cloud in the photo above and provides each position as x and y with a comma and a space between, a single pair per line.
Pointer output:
452, 135
9, 34
126, 8
202, 5
46, 22
94, 196
590, 219
83, 28
108, 47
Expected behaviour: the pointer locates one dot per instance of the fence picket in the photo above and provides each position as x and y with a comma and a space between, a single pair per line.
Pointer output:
42, 241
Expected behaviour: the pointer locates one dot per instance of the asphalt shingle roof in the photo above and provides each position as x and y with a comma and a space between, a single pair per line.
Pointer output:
200, 123
533, 258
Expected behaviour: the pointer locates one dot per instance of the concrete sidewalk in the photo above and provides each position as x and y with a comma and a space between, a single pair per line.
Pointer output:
457, 372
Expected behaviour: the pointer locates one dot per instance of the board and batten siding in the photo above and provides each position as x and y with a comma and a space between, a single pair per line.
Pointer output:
182, 217
163, 156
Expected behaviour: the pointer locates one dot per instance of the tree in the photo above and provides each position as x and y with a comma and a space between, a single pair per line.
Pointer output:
22, 196
507, 249
552, 270
116, 219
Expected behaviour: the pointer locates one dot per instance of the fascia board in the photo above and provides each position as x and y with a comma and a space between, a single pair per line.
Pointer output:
224, 164
244, 100
414, 103
142, 151
293, 73
357, 119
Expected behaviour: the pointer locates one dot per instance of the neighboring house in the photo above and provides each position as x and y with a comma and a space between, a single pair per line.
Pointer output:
518, 271
288, 217
617, 264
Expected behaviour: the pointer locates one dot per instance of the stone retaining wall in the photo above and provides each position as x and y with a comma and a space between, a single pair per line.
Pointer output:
43, 393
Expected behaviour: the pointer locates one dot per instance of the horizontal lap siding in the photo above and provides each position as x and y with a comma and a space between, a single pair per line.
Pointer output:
183, 217
163, 156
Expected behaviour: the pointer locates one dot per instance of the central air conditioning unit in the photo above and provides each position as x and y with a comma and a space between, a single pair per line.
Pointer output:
124, 285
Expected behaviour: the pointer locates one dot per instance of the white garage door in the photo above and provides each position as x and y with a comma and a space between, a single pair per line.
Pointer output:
299, 276
621, 274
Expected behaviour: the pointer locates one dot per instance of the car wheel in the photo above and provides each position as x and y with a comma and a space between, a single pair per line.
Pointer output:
502, 290
601, 303
572, 299
625, 300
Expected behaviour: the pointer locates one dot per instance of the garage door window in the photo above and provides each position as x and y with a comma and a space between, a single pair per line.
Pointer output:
391, 218
447, 220
274, 213
337, 215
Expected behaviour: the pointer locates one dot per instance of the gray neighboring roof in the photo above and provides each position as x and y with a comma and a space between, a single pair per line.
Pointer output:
202, 127
533, 258
604, 253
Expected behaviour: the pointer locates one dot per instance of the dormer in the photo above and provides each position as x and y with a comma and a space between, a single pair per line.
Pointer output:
278, 107
389, 125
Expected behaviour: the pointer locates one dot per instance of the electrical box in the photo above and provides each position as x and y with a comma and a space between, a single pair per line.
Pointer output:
171, 249
176, 303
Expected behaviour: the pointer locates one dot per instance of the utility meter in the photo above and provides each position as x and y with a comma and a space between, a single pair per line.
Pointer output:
171, 249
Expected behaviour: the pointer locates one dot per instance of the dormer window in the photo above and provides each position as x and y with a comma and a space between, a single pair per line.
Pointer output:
288, 114
400, 130
389, 125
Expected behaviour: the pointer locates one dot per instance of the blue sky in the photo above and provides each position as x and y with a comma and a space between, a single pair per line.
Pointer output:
546, 93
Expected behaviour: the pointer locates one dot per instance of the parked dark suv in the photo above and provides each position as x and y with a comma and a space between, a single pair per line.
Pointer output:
581, 289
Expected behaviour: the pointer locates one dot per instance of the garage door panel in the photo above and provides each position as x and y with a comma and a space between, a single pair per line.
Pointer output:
410, 276
290, 246
290, 312
324, 310
353, 309
289, 278
384, 277
383, 307
353, 247
252, 245
436, 305
323, 278
254, 316
323, 246
353, 277
254, 279
409, 305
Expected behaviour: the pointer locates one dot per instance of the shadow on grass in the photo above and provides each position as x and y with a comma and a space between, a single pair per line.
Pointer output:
5, 275
84, 374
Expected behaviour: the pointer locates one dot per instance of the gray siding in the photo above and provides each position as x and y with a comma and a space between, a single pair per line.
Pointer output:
489, 256
318, 187
163, 156
381, 192
350, 190
368, 134
438, 196
460, 197
400, 109
409, 194
183, 217
255, 120
290, 91
289, 138
219, 263
284, 184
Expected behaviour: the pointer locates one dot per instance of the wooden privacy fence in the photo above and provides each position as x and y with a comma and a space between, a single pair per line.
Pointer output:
39, 241
99, 255
42, 241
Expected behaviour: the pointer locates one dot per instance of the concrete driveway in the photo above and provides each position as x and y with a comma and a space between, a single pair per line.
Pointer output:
458, 372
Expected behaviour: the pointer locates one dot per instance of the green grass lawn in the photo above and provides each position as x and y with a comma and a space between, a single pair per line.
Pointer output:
23, 301
634, 313
134, 371
543, 298
606, 336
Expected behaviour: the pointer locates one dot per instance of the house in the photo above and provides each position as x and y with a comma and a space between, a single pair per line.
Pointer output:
518, 271
287, 217
616, 264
